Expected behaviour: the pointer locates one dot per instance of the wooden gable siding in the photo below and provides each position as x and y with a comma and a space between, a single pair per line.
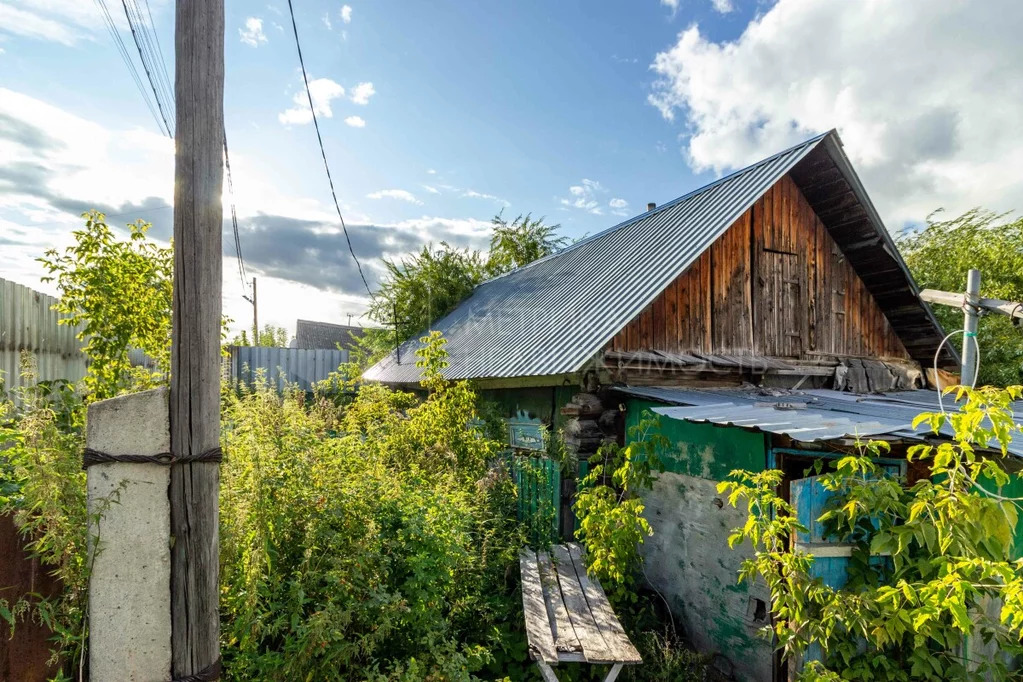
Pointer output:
775, 284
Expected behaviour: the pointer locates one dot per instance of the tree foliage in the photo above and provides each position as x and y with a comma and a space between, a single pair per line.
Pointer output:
270, 336
424, 287
933, 563
120, 292
372, 541
610, 509
522, 241
420, 289
939, 257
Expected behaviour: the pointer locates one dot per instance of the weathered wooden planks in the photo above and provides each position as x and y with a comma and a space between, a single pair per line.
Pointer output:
620, 648
777, 284
534, 609
565, 639
568, 617
595, 649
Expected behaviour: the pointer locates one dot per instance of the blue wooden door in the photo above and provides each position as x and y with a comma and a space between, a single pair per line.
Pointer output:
831, 555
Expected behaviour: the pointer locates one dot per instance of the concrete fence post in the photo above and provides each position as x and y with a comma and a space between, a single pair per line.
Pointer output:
129, 528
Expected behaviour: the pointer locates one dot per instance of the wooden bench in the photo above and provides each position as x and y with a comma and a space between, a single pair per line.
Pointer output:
568, 617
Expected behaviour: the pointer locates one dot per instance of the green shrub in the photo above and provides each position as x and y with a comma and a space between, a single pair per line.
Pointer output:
386, 552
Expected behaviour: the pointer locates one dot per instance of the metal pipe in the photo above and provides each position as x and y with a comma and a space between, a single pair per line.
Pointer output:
971, 310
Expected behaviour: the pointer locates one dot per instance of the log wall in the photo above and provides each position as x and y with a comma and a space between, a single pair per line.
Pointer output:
775, 284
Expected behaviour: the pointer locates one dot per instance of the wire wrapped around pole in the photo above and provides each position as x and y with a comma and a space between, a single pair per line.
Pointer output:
91, 456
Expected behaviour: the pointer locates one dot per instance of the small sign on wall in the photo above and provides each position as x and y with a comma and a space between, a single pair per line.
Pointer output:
525, 433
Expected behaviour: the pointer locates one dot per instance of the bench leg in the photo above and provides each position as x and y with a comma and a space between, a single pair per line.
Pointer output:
547, 672
612, 674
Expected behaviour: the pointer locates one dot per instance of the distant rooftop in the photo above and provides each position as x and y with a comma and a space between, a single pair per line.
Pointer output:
310, 334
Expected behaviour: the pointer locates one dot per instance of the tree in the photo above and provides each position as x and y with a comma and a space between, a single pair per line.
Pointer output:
420, 289
120, 292
519, 242
271, 336
932, 564
940, 256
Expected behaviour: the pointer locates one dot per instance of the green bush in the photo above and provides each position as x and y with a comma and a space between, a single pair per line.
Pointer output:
385, 552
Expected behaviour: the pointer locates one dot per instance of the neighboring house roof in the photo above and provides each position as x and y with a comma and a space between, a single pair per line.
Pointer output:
552, 316
810, 415
310, 334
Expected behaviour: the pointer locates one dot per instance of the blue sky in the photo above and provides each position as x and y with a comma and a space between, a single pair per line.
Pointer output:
437, 115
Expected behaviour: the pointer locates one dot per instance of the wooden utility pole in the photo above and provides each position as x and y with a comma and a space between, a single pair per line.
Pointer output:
195, 347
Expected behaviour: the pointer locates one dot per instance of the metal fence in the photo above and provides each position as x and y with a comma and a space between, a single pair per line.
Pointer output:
28, 323
301, 367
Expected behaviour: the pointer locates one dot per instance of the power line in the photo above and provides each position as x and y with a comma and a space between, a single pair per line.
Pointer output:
146, 66
148, 30
147, 42
126, 58
323, 152
234, 217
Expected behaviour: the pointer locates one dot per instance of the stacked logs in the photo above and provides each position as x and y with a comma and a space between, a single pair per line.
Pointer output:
591, 423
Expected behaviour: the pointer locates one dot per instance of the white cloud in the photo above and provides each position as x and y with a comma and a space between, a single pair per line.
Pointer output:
346, 14
584, 196
399, 194
62, 21
362, 92
920, 93
473, 194
327, 23
673, 4
252, 34
431, 189
722, 6
356, 121
323, 91
619, 206
57, 164
430, 171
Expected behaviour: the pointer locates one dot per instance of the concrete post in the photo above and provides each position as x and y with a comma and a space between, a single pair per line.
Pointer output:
129, 589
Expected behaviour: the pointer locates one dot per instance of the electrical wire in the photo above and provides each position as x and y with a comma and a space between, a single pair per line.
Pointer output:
156, 51
234, 218
976, 370
323, 152
148, 41
146, 66
122, 50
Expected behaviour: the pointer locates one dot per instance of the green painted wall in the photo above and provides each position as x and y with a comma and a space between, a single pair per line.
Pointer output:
702, 450
543, 403
688, 559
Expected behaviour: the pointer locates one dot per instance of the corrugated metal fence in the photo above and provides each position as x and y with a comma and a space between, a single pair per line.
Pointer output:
27, 323
302, 367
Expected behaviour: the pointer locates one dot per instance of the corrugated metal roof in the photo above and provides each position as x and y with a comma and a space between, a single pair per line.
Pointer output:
551, 316
801, 424
825, 413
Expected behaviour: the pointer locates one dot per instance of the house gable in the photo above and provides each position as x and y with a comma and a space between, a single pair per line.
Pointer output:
775, 284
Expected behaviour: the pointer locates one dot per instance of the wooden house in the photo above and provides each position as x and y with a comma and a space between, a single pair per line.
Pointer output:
754, 314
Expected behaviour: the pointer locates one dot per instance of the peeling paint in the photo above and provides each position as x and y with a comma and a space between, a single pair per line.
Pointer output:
688, 559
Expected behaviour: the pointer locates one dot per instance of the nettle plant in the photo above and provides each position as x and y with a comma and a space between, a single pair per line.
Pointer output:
610, 511
934, 591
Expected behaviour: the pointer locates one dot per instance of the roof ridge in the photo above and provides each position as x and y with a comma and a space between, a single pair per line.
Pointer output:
663, 207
